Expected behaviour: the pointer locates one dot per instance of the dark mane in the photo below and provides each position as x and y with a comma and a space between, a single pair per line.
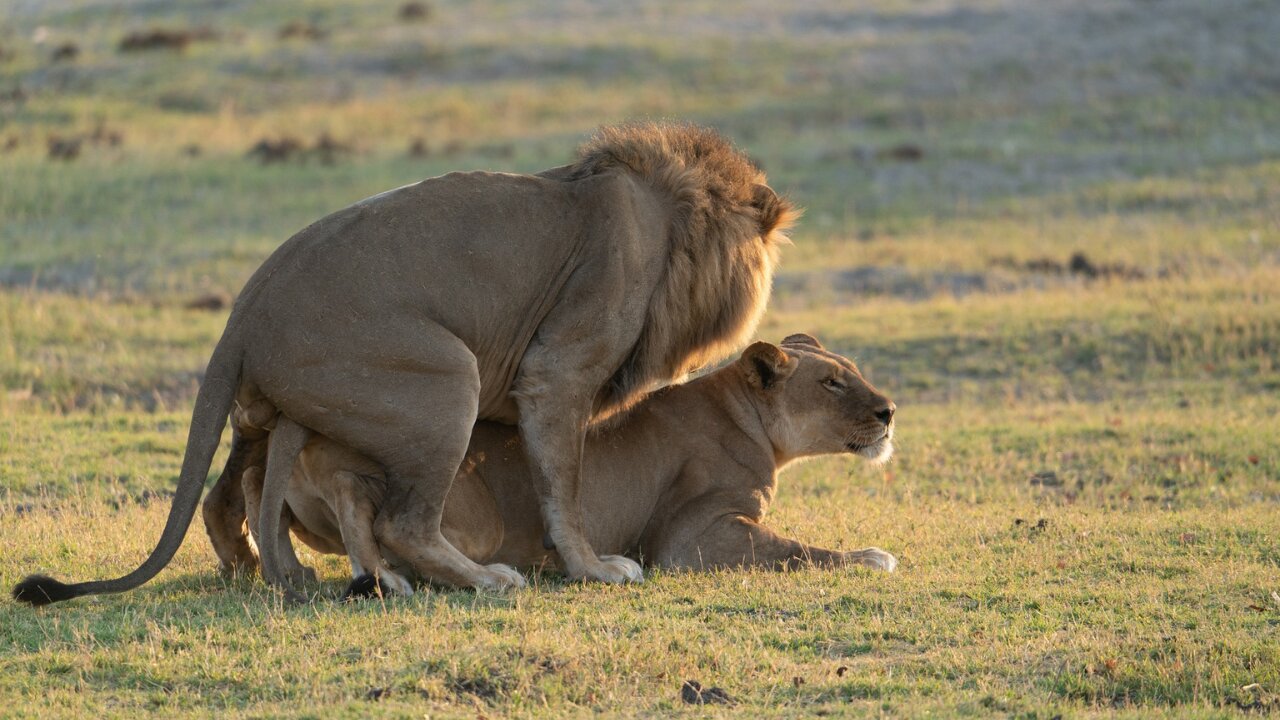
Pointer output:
722, 245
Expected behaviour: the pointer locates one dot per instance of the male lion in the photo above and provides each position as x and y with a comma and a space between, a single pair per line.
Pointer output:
547, 300
683, 478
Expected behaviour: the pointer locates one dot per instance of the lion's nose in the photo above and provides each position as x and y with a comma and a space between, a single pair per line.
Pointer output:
886, 415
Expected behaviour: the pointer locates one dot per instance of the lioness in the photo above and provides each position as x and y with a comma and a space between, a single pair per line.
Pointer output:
547, 300
682, 480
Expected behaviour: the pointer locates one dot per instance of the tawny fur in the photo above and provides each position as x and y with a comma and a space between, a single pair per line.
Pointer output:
684, 479
709, 302
546, 300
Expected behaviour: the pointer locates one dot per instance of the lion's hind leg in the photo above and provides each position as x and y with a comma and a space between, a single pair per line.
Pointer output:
287, 441
410, 409
290, 565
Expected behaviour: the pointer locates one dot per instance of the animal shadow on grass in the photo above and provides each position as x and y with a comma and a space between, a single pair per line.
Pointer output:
205, 599
210, 600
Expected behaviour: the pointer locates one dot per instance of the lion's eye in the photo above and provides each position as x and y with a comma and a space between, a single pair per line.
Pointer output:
834, 385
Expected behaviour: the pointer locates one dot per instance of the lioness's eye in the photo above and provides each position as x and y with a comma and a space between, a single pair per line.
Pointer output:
834, 385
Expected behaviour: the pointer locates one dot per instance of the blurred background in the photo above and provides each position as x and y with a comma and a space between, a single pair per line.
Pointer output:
1049, 229
167, 147
1006, 200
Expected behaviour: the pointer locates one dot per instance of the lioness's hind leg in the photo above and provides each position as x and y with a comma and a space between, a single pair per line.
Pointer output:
355, 520
224, 511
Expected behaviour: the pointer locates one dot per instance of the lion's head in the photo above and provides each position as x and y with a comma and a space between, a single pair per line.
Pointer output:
815, 402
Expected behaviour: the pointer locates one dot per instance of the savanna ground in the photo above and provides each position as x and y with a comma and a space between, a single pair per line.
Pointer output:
1086, 497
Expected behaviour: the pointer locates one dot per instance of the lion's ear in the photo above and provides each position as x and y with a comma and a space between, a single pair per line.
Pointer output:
802, 339
767, 365
774, 213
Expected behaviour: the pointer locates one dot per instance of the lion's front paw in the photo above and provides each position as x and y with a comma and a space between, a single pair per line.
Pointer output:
395, 584
500, 577
874, 558
616, 569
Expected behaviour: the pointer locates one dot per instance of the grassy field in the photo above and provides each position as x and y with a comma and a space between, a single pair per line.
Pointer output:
1050, 231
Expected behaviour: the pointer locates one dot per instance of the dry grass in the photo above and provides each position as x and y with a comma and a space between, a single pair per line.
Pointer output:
949, 153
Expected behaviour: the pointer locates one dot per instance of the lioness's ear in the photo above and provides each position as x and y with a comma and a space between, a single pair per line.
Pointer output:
802, 339
766, 365
772, 211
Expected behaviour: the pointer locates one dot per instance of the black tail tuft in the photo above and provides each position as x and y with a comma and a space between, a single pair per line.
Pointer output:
365, 586
38, 590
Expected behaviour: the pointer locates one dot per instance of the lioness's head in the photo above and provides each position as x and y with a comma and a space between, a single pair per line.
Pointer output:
815, 402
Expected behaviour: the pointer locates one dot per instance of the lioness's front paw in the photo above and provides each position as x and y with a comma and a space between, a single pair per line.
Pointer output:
617, 569
241, 566
874, 558
500, 577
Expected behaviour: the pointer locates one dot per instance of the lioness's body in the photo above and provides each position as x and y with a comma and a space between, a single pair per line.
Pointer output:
683, 480
394, 325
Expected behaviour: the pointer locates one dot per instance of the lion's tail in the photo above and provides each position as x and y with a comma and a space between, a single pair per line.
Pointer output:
213, 404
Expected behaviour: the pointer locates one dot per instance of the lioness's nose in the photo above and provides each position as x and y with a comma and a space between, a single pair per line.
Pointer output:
886, 415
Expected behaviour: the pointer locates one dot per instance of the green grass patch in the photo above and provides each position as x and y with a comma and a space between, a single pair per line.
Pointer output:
1085, 491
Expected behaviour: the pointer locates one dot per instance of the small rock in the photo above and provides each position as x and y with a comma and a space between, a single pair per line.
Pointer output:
693, 693
906, 152
269, 151
66, 149
415, 10
299, 30
328, 149
65, 52
164, 39
1079, 264
210, 301
1046, 478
